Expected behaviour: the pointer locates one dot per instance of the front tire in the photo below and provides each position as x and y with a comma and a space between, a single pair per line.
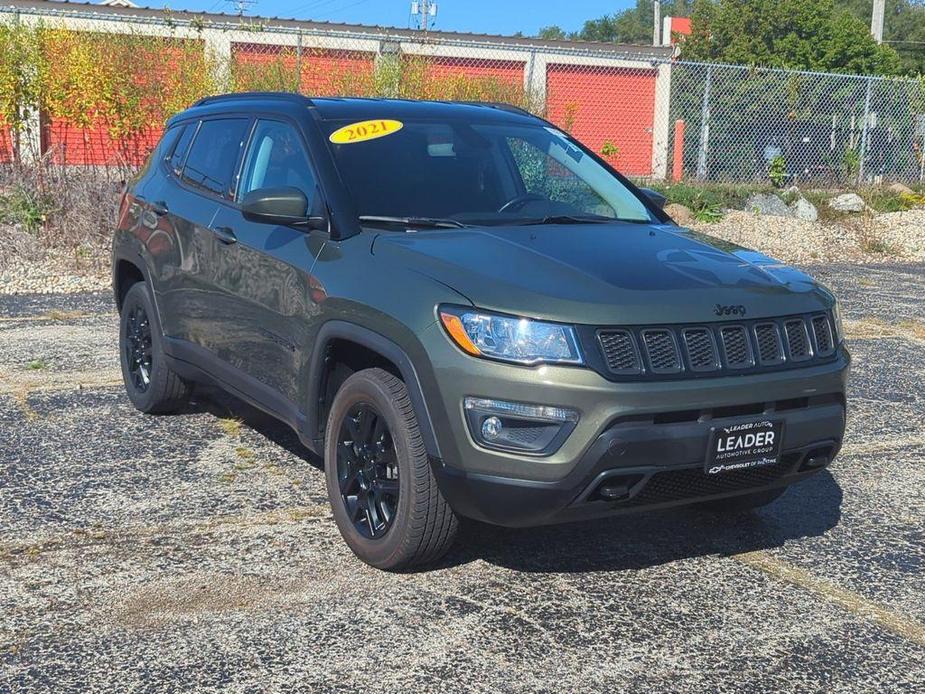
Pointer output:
382, 490
744, 502
150, 383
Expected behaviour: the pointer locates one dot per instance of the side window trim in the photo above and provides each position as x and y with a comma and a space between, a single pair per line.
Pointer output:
306, 150
233, 197
165, 160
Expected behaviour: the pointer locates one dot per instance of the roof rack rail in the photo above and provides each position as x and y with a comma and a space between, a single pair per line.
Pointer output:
500, 105
235, 96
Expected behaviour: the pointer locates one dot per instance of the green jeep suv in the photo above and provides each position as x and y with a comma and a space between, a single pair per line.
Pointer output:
467, 313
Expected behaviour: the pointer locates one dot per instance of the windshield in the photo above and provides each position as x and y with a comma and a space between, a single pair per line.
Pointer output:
476, 174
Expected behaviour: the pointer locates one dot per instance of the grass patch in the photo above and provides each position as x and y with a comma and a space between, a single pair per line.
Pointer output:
708, 196
868, 328
232, 427
59, 315
37, 365
28, 209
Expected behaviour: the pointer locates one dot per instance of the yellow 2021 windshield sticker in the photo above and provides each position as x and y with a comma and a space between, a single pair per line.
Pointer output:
365, 130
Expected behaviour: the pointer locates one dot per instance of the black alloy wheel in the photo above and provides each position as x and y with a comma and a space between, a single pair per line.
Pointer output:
367, 471
137, 346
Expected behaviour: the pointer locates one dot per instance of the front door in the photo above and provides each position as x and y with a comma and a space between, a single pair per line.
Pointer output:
267, 267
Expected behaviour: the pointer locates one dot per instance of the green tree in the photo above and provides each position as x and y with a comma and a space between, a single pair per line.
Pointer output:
796, 34
903, 29
632, 25
552, 33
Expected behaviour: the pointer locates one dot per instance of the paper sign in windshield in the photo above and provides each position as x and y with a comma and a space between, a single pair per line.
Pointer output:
365, 130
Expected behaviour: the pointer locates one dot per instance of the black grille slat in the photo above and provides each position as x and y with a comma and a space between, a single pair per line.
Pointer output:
736, 347
798, 347
770, 349
822, 330
701, 349
662, 351
620, 351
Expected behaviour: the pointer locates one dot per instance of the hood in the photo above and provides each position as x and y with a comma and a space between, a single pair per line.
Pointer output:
605, 274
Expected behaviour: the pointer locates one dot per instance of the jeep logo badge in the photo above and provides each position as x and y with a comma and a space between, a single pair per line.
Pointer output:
731, 310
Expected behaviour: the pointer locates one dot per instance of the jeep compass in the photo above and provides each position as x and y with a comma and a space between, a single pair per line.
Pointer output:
468, 314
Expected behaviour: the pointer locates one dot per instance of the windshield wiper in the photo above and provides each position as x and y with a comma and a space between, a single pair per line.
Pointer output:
566, 219
580, 219
425, 222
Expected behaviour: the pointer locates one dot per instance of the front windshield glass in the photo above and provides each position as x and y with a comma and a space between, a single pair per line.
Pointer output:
480, 174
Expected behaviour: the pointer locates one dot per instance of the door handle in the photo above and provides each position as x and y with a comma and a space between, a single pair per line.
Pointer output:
225, 234
159, 208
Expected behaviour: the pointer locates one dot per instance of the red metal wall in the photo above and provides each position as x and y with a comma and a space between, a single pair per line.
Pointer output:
505, 71
601, 105
71, 144
6, 144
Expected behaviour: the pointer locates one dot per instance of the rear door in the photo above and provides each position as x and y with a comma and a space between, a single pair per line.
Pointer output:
268, 267
198, 181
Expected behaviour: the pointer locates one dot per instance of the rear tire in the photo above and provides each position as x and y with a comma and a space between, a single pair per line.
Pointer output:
745, 502
382, 490
150, 383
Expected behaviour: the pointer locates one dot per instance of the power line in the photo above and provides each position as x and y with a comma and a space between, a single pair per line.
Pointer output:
344, 7
241, 6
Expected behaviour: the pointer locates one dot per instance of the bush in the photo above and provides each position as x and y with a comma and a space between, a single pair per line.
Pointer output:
707, 201
61, 207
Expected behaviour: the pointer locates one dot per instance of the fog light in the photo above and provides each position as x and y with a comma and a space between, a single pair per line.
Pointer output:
491, 428
518, 427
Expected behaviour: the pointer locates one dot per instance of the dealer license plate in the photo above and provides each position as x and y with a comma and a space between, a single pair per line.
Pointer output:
744, 445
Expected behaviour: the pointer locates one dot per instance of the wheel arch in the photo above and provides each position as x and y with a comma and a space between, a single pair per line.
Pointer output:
336, 336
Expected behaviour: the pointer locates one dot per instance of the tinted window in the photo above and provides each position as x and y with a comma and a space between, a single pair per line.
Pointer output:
212, 158
276, 158
179, 151
480, 173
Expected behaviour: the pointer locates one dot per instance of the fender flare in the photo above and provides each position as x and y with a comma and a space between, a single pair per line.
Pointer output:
343, 330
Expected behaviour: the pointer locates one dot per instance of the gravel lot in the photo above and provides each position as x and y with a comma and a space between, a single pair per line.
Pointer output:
197, 552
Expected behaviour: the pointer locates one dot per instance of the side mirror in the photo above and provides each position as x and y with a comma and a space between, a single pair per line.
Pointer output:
655, 197
284, 206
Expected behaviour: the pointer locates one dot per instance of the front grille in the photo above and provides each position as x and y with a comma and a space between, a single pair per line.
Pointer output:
737, 347
822, 329
770, 350
676, 485
698, 350
797, 340
620, 351
661, 351
701, 349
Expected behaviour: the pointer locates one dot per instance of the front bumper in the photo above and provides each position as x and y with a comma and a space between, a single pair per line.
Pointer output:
649, 466
646, 436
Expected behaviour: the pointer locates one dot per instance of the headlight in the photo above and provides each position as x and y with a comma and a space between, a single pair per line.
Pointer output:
509, 338
839, 325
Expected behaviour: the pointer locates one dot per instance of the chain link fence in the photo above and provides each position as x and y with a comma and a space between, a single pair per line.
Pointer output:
95, 87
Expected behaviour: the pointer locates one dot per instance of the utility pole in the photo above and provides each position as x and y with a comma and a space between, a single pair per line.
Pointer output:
876, 21
426, 10
657, 25
241, 6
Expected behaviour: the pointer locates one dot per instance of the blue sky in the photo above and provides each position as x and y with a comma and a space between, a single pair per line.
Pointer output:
482, 16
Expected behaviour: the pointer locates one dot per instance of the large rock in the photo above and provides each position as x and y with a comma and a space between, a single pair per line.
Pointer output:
900, 189
804, 209
679, 213
847, 202
765, 204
